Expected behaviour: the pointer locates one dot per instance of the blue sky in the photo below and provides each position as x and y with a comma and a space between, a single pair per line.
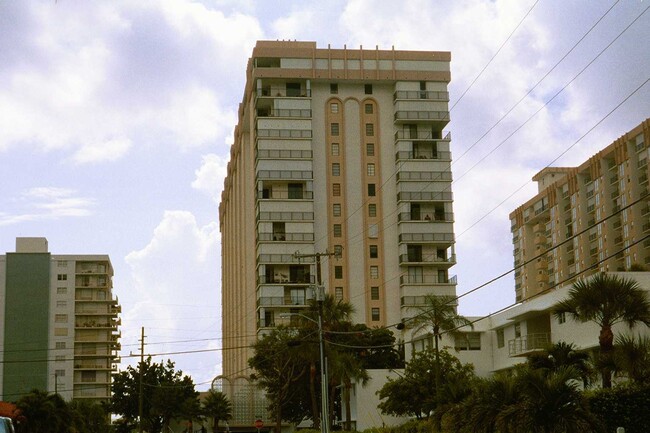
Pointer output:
116, 120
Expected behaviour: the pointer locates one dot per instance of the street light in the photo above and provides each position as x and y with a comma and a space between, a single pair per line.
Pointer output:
324, 428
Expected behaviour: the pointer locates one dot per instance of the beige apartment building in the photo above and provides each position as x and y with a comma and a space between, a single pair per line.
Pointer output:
594, 217
59, 323
339, 176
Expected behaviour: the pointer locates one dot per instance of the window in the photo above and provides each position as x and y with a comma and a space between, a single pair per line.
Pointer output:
59, 373
279, 233
367, 89
334, 88
561, 318
374, 272
336, 209
335, 149
61, 318
336, 169
336, 189
293, 89
501, 339
59, 358
374, 293
370, 129
468, 341
370, 169
338, 250
62, 277
59, 345
372, 210
369, 108
61, 304
374, 251
338, 293
61, 332
88, 376
371, 189
337, 230
373, 231
61, 290
375, 314
295, 191
334, 107
61, 264
370, 149
338, 272
517, 330
334, 129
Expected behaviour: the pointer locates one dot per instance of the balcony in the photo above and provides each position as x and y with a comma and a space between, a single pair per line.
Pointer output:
438, 154
443, 238
421, 94
281, 301
426, 216
284, 133
426, 279
442, 116
285, 237
442, 176
426, 259
283, 259
285, 174
282, 92
421, 135
424, 196
522, 346
289, 113
285, 216
283, 154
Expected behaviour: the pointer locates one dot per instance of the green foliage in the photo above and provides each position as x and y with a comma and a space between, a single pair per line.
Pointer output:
217, 406
563, 355
89, 417
632, 358
165, 395
414, 394
622, 406
44, 413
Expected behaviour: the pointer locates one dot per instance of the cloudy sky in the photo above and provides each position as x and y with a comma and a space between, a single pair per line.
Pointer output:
116, 120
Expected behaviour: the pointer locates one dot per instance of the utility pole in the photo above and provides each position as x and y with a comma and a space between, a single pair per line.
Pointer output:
320, 297
140, 395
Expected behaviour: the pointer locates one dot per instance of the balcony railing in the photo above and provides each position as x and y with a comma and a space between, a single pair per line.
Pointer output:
285, 237
422, 115
284, 174
279, 301
426, 279
283, 154
286, 195
424, 196
283, 258
426, 237
421, 135
280, 278
285, 216
528, 343
422, 94
426, 216
440, 155
426, 259
283, 92
284, 133
441, 176
300, 113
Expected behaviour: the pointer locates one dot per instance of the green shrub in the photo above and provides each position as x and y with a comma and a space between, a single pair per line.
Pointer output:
622, 406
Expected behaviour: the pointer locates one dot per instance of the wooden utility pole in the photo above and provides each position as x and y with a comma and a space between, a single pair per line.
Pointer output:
318, 256
140, 395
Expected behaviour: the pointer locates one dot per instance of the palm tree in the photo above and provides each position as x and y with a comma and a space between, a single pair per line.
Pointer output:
346, 368
606, 300
45, 413
562, 354
217, 406
438, 313
632, 358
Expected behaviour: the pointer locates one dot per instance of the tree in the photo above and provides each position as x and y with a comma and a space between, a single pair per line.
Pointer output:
44, 413
562, 354
632, 358
278, 366
165, 394
606, 300
438, 313
89, 417
415, 393
217, 406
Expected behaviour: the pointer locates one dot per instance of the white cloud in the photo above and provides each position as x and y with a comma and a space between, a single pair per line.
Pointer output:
175, 293
48, 203
110, 150
292, 26
210, 176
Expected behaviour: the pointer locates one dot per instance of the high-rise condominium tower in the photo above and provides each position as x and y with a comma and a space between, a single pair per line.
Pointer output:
590, 218
339, 152
58, 323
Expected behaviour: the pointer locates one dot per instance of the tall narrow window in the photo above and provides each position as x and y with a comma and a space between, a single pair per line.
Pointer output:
370, 149
334, 129
335, 149
337, 230
370, 129
336, 169
336, 209
375, 314
334, 88
374, 251
336, 189
334, 107
374, 293
371, 189
374, 272
367, 89
372, 210
338, 293
338, 272
370, 169
368, 108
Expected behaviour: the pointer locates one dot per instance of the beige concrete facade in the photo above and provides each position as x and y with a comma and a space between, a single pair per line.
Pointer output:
339, 151
594, 217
